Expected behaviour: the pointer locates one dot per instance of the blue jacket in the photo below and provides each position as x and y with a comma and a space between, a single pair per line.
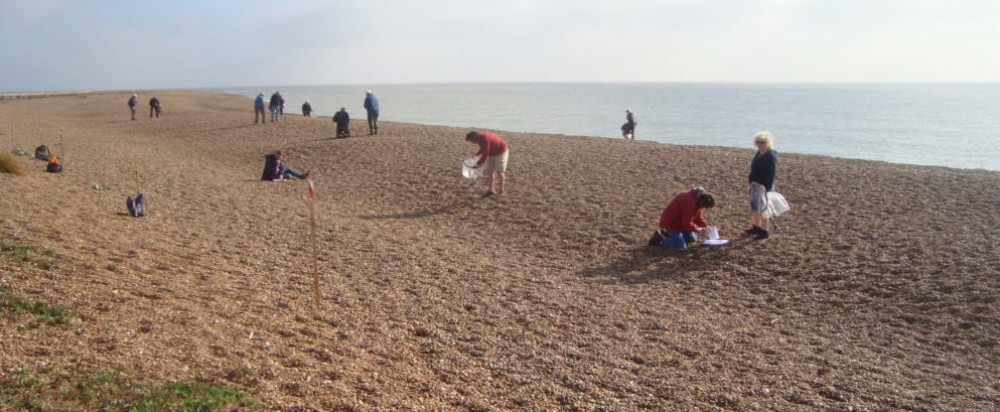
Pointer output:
371, 103
259, 101
341, 118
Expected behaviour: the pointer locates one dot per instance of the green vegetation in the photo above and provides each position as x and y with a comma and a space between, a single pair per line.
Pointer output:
50, 314
111, 390
10, 164
43, 258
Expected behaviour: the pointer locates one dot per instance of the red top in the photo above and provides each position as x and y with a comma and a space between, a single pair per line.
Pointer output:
682, 214
490, 144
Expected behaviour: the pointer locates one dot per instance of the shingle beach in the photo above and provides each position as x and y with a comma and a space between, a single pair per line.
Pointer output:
881, 292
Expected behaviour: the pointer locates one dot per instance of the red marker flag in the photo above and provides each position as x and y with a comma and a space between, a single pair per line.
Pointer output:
312, 192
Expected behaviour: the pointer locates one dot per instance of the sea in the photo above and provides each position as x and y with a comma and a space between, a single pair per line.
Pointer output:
937, 124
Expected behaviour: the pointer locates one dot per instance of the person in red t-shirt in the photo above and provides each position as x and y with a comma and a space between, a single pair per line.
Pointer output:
682, 218
493, 153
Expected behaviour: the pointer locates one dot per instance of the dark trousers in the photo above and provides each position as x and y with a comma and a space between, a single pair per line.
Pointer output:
372, 122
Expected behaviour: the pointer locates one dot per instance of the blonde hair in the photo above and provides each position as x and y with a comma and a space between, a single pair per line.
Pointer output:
766, 137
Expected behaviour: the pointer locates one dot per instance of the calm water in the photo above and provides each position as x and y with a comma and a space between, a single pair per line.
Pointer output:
954, 125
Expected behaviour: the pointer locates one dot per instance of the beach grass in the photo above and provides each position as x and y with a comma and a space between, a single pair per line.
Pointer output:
108, 389
47, 313
40, 257
10, 164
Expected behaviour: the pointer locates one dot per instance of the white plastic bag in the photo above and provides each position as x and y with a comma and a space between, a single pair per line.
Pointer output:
776, 205
712, 232
469, 169
713, 237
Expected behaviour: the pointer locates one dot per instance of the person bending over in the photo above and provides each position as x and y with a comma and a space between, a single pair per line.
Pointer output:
493, 154
372, 108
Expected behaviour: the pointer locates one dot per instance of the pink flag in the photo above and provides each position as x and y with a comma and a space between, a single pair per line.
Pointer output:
312, 192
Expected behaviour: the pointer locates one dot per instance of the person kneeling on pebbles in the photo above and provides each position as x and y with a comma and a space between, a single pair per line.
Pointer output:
682, 218
493, 153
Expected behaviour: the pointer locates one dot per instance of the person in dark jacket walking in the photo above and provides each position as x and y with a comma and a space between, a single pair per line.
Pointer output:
307, 109
372, 107
154, 107
763, 173
343, 121
275, 106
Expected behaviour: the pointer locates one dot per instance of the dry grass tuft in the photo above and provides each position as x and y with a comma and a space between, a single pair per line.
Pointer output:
10, 164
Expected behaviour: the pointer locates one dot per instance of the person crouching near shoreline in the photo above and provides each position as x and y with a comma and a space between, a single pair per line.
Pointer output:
493, 153
682, 218
763, 171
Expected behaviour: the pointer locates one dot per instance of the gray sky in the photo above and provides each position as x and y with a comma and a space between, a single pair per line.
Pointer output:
121, 45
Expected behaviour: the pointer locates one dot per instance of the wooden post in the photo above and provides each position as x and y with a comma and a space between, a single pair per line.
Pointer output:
315, 248
62, 147
137, 187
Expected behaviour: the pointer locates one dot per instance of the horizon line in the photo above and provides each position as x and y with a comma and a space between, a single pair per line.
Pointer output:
8, 94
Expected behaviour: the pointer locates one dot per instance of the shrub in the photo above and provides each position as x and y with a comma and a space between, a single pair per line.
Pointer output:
10, 164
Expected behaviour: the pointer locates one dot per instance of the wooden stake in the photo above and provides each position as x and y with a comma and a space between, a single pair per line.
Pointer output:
137, 187
315, 248
62, 147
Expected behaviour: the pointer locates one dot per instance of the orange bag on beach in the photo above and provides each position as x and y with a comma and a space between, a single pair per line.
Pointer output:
54, 166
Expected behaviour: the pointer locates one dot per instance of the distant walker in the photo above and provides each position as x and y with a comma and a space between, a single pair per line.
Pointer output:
628, 129
372, 107
154, 107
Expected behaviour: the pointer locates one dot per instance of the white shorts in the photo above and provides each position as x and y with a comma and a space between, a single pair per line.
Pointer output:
497, 163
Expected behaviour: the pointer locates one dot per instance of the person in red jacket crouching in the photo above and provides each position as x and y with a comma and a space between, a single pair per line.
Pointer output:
682, 218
